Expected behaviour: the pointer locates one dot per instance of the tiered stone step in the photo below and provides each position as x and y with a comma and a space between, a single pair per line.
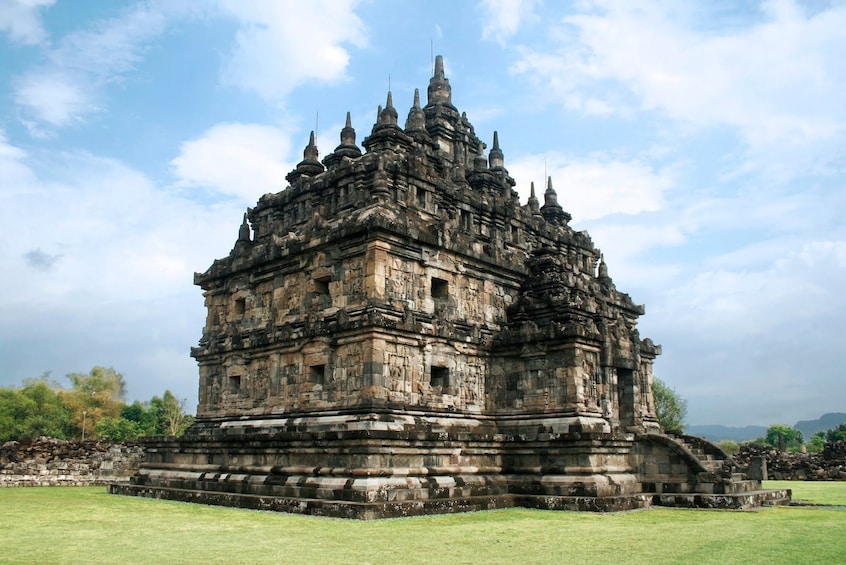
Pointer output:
735, 501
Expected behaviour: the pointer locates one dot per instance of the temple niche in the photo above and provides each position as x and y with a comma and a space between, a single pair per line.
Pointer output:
394, 333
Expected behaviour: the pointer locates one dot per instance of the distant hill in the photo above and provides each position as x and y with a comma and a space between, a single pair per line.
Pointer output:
717, 433
821, 424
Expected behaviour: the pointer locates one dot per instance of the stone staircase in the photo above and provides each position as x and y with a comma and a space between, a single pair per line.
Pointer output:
714, 480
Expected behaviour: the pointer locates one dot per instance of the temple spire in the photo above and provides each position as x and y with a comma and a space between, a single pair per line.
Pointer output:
416, 121
310, 165
388, 116
348, 133
603, 268
550, 197
534, 205
551, 210
480, 162
347, 148
439, 90
310, 152
495, 156
244, 230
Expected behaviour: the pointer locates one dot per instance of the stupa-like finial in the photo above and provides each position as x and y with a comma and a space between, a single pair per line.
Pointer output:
244, 230
495, 156
550, 197
309, 165
603, 267
416, 121
551, 210
534, 205
439, 90
348, 133
310, 151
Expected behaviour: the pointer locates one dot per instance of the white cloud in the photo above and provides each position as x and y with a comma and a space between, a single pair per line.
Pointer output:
66, 88
503, 18
53, 96
243, 160
595, 186
13, 168
765, 332
103, 262
278, 46
777, 81
21, 19
797, 285
281, 45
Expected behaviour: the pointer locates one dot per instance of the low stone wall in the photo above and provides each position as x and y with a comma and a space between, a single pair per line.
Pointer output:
55, 462
828, 465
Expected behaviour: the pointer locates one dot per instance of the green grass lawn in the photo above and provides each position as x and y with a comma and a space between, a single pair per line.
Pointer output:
87, 525
814, 492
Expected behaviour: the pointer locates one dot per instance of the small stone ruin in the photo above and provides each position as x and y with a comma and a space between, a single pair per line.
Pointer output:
55, 462
827, 465
396, 334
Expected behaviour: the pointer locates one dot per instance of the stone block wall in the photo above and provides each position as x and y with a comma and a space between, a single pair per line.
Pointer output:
55, 462
828, 465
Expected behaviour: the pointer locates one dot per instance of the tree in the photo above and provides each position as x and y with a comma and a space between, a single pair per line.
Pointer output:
171, 414
729, 446
36, 409
836, 434
817, 442
783, 438
670, 408
144, 416
118, 429
50, 416
94, 396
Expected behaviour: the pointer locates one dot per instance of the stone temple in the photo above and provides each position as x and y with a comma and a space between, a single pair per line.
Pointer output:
395, 334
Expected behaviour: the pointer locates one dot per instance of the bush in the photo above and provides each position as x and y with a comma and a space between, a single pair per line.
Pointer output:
118, 430
729, 446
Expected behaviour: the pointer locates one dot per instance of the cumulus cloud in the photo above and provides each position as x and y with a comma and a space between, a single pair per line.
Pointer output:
242, 160
21, 19
595, 186
281, 45
776, 81
103, 262
53, 96
277, 47
769, 328
501, 19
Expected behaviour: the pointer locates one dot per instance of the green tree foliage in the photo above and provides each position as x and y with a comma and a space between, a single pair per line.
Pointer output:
670, 408
145, 419
171, 414
118, 429
817, 442
36, 409
783, 438
94, 396
729, 446
41, 407
836, 434
163, 415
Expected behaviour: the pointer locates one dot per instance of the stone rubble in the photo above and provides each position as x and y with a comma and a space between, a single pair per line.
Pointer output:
55, 462
827, 465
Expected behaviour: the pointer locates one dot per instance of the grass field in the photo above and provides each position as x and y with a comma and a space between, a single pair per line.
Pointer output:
87, 525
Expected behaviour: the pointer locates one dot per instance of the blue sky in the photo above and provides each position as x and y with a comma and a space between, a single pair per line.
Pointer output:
702, 144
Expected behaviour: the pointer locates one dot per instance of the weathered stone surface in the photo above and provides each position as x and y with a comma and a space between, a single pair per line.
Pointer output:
55, 462
394, 333
827, 465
